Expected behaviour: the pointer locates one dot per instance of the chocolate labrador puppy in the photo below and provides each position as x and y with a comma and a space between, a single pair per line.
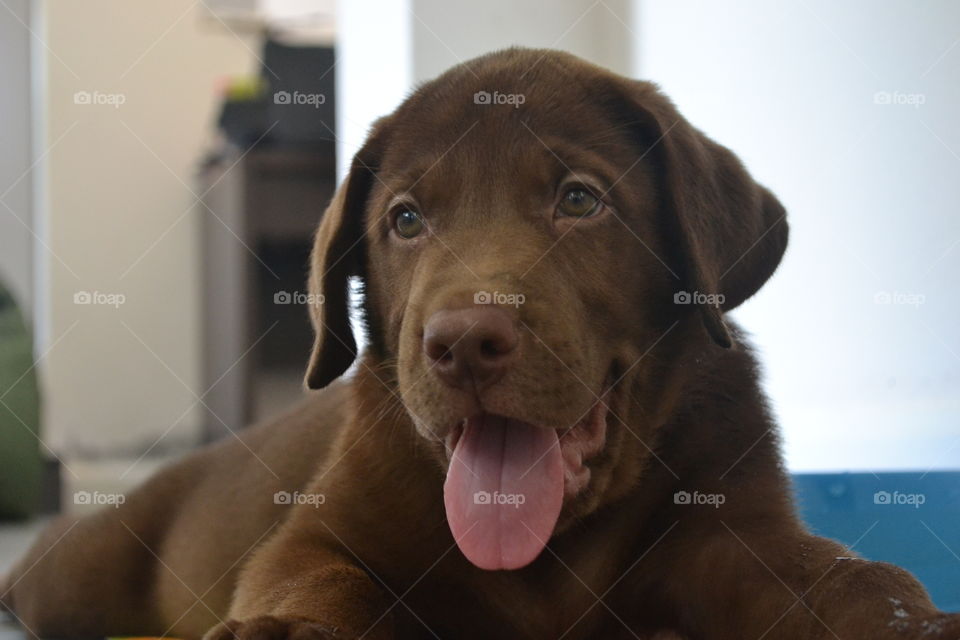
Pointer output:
553, 433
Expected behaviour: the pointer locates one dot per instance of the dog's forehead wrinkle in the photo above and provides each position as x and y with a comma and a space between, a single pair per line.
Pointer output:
558, 102
501, 150
449, 190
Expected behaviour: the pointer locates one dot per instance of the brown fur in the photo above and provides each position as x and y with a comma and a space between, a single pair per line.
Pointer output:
376, 559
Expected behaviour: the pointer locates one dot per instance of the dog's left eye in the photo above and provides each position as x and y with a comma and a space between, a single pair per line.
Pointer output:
578, 203
408, 223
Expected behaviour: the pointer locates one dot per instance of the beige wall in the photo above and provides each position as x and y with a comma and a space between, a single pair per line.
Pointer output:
117, 212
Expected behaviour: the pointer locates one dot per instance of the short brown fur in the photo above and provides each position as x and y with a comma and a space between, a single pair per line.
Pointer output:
203, 549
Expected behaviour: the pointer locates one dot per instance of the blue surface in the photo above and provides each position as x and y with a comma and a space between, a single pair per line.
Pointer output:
914, 522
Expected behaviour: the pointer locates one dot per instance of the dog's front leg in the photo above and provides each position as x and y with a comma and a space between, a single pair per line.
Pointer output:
752, 583
299, 586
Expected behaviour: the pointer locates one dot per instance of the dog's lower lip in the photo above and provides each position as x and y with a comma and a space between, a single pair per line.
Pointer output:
450, 442
584, 441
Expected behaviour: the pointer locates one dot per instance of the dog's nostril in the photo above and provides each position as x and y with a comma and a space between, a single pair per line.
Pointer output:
437, 351
489, 349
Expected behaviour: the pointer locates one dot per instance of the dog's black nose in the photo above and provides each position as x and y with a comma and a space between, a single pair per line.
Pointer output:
471, 346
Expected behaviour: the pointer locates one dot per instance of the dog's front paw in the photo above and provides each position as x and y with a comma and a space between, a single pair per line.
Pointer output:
271, 628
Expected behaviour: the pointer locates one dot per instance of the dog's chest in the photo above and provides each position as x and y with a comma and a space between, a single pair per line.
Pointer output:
555, 598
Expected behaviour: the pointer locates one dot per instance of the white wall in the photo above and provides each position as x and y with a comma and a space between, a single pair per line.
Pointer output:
874, 201
118, 215
16, 213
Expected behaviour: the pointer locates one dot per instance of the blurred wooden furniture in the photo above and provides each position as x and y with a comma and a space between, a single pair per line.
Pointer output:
259, 213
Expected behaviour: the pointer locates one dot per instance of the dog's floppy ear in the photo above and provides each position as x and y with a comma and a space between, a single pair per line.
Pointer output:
726, 232
338, 252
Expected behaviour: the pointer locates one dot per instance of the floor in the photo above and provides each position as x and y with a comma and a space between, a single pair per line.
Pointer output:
14, 540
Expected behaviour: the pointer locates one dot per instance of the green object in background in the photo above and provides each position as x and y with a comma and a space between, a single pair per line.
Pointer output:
20, 461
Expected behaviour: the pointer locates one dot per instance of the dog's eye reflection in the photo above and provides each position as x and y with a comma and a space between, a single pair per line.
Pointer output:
408, 223
578, 203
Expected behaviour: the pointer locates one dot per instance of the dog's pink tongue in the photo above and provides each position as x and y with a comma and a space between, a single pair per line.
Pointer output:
504, 491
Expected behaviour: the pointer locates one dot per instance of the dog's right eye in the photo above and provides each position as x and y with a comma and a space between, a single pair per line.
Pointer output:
408, 223
579, 203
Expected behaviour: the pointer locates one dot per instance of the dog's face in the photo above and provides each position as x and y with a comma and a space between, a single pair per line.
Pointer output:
523, 225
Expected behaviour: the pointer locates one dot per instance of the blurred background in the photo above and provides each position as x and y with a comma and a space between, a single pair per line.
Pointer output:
164, 163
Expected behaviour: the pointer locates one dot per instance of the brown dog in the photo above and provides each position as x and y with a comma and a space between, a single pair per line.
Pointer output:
553, 433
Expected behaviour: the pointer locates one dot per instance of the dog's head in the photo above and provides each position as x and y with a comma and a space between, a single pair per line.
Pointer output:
529, 227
